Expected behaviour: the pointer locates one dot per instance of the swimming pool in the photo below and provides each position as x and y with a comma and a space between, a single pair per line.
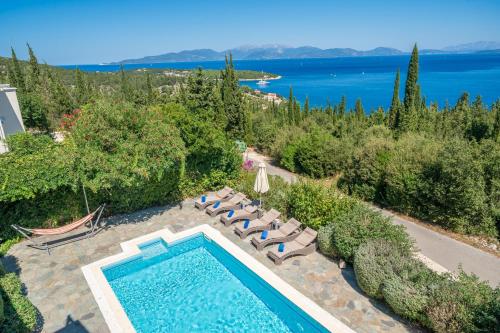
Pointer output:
194, 284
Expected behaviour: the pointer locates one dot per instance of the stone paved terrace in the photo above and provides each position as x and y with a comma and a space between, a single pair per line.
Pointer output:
56, 286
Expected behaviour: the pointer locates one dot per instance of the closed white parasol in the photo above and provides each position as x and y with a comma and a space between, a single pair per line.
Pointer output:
261, 183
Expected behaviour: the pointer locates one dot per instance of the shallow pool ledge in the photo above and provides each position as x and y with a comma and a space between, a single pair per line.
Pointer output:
117, 319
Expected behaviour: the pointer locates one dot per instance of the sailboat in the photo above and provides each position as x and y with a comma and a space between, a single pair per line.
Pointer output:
263, 82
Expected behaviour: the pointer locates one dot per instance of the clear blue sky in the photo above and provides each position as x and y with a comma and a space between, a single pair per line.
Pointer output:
94, 31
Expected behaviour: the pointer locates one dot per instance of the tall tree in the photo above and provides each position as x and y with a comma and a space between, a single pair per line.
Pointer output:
232, 101
342, 106
359, 110
34, 74
150, 91
81, 92
297, 113
306, 107
395, 104
409, 116
290, 107
16, 74
124, 84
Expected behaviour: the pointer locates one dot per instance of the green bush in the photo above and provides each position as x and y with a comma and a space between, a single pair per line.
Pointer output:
276, 197
2, 311
364, 176
325, 240
404, 174
406, 298
379, 260
455, 189
20, 314
458, 305
314, 205
361, 224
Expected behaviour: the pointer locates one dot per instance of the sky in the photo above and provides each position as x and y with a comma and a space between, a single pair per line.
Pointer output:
96, 31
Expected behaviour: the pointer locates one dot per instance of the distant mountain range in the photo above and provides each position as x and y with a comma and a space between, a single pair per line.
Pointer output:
286, 52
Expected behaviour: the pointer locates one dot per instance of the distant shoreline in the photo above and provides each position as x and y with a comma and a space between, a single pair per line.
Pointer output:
267, 78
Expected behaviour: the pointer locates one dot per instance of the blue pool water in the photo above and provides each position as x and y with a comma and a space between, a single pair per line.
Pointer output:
443, 78
196, 286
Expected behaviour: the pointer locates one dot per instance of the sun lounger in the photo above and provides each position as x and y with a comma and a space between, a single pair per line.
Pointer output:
94, 228
260, 224
249, 212
211, 197
285, 233
218, 207
303, 244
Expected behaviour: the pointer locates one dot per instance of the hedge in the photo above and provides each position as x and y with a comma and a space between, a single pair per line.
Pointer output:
20, 314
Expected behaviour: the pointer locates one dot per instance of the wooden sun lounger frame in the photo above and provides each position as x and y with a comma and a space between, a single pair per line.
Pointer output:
251, 229
202, 205
261, 244
303, 251
245, 216
49, 244
221, 209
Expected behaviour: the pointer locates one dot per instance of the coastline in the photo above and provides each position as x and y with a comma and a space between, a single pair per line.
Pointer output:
267, 78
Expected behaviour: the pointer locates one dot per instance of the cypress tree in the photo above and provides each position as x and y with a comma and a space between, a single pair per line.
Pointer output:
150, 92
16, 77
291, 112
409, 116
395, 104
496, 123
360, 112
306, 107
34, 71
232, 101
342, 107
296, 108
124, 86
80, 88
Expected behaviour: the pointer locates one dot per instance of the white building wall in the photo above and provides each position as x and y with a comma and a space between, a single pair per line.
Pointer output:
11, 121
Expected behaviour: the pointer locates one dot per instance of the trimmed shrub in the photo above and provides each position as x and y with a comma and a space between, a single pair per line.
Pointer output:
361, 224
405, 298
20, 314
456, 305
325, 240
377, 261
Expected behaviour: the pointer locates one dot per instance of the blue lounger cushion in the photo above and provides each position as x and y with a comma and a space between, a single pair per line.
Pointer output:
217, 204
246, 224
203, 198
281, 247
264, 234
231, 213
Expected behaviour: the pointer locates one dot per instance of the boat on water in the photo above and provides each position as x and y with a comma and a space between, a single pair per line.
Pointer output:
262, 82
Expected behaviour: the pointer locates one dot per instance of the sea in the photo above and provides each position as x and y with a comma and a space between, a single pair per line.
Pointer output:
442, 78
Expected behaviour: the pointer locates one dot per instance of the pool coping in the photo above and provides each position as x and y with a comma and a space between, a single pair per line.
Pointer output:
118, 321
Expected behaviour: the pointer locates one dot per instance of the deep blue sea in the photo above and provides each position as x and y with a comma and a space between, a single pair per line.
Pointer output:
443, 78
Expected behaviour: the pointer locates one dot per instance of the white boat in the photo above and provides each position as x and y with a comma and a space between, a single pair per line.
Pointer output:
262, 82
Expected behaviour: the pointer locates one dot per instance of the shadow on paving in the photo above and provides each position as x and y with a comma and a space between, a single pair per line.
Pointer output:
72, 326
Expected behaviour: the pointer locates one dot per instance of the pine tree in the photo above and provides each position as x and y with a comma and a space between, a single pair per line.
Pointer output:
16, 76
395, 104
409, 115
291, 112
34, 77
232, 101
